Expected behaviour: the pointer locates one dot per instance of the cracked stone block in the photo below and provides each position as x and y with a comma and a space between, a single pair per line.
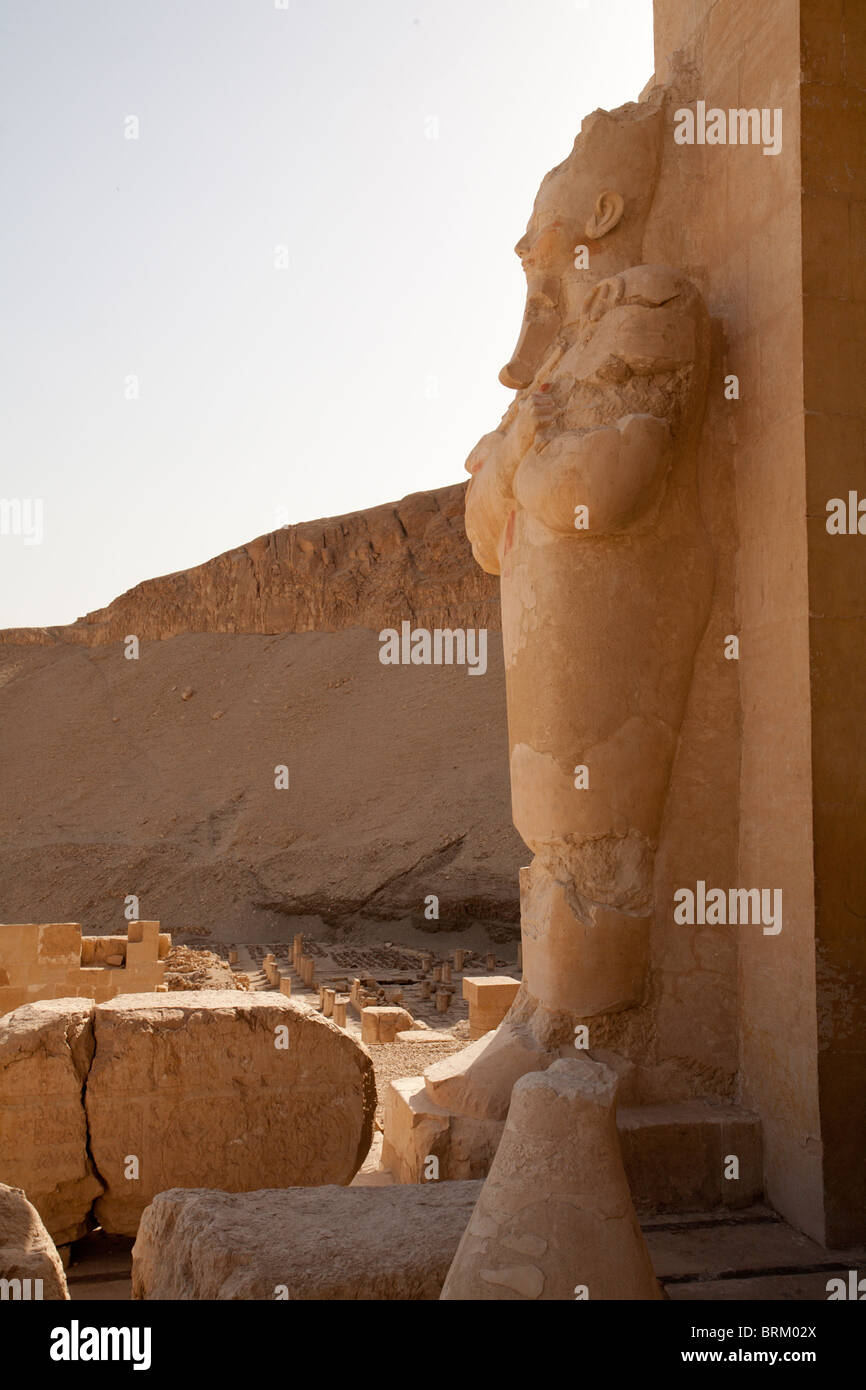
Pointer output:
199, 1091
45, 1054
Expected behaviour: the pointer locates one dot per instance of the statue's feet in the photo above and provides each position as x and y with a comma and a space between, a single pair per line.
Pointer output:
478, 1081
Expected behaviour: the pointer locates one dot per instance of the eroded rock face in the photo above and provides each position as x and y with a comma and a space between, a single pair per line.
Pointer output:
201, 1091
45, 1054
367, 569
27, 1252
334, 1243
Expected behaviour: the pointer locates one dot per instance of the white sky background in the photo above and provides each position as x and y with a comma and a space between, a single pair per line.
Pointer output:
364, 371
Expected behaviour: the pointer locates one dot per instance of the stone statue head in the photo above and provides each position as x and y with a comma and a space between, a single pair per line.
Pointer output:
598, 198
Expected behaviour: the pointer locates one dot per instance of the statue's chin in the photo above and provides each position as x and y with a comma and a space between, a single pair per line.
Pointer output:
540, 325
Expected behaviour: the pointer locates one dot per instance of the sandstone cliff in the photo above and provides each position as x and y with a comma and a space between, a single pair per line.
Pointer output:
374, 568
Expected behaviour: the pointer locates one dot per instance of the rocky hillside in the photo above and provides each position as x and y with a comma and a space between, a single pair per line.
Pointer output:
156, 777
407, 559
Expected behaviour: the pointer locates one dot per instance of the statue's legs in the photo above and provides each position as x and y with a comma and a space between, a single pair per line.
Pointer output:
580, 958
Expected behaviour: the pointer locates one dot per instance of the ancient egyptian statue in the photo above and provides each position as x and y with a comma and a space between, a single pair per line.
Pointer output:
585, 502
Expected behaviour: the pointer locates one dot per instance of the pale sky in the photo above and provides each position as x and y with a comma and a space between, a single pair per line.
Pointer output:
392, 147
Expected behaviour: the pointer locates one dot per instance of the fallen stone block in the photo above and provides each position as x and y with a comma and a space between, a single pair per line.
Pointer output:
382, 1023
417, 1129
45, 1054
30, 1266
331, 1244
424, 1036
243, 1091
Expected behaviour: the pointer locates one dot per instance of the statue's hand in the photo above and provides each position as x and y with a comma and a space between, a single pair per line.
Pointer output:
535, 410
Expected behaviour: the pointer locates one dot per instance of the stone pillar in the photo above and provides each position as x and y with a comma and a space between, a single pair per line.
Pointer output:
458, 958
328, 997
426, 961
446, 972
437, 974
233, 955
490, 961
584, 1234
425, 988
339, 1014
443, 999
285, 982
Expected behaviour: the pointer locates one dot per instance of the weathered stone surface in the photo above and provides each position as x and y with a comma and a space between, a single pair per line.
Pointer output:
27, 1251
555, 1215
198, 1091
329, 1244
45, 1053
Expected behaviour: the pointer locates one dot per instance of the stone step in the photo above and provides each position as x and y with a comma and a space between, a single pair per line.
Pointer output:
675, 1155
715, 1250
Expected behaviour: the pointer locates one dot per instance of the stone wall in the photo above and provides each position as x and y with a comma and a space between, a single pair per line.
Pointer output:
771, 241
52, 960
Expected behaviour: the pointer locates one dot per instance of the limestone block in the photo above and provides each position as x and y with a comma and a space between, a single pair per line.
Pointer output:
341, 1003
424, 1036
27, 1252
142, 944
328, 997
334, 1244
490, 997
383, 1022
199, 1090
59, 946
143, 932
19, 943
563, 1218
45, 1053
417, 1128
675, 1156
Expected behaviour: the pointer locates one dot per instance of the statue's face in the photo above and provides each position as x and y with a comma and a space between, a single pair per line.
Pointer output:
546, 252
574, 207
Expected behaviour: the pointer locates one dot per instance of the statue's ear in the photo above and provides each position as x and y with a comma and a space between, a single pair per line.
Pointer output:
608, 211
